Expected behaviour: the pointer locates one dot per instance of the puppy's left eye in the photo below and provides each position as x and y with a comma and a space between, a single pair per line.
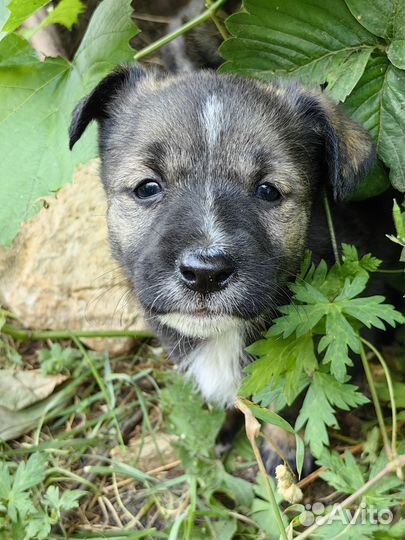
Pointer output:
267, 192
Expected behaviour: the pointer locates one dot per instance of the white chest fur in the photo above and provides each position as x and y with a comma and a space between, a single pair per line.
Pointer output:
215, 366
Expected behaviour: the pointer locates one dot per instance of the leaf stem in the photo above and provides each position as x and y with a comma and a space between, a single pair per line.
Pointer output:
391, 394
43, 335
204, 16
252, 427
218, 23
331, 227
376, 402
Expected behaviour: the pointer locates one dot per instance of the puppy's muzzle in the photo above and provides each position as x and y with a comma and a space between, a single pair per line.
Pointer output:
206, 270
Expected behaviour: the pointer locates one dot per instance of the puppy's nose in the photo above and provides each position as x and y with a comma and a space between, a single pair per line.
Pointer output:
206, 270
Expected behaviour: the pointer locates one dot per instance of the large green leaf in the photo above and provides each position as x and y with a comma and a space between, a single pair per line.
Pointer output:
384, 18
317, 41
378, 102
36, 101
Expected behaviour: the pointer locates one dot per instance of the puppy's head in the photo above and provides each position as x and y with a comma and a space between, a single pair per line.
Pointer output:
210, 183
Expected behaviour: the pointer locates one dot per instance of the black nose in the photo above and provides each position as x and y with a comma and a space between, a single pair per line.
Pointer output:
206, 270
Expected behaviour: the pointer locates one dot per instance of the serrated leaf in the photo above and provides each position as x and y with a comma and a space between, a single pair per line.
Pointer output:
371, 311
38, 527
37, 99
353, 287
66, 13
21, 10
276, 357
316, 41
384, 18
316, 415
344, 475
340, 336
29, 473
343, 396
298, 319
378, 102
68, 500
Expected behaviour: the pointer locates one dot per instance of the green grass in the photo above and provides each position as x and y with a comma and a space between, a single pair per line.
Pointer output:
104, 445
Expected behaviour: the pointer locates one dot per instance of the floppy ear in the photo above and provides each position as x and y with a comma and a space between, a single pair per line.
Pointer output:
96, 106
349, 149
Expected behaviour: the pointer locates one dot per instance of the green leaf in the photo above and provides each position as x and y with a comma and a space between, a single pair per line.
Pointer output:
269, 416
317, 41
375, 183
343, 396
38, 526
36, 101
5, 481
68, 500
344, 475
29, 473
317, 413
384, 18
65, 13
371, 311
196, 426
21, 10
338, 338
299, 454
353, 264
399, 220
378, 102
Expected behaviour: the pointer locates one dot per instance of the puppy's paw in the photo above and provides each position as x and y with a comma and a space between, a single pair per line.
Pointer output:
285, 443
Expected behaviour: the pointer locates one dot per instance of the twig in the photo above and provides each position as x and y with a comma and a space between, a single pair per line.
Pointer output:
43, 335
204, 16
389, 468
252, 427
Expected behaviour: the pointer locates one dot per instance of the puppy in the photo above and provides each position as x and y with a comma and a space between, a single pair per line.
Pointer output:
214, 186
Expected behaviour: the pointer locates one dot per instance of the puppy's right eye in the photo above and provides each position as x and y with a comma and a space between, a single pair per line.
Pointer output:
147, 189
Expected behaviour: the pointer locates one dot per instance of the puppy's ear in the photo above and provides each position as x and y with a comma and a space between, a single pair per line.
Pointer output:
349, 149
96, 105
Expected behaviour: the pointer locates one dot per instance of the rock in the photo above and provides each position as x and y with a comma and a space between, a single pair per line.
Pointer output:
60, 274
143, 453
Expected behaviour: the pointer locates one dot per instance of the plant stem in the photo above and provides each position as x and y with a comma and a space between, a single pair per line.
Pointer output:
376, 403
204, 16
220, 26
331, 227
252, 427
391, 467
43, 335
391, 394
